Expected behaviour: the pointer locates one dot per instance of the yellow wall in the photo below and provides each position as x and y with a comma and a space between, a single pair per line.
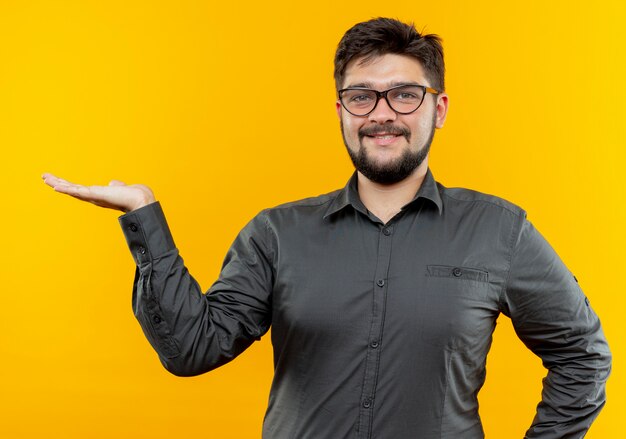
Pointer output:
192, 98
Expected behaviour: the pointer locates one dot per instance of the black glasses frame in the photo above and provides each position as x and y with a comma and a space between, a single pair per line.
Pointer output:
383, 94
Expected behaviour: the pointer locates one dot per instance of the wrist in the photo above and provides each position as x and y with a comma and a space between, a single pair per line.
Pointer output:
149, 199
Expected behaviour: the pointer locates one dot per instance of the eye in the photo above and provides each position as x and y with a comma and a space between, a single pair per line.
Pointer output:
405, 95
361, 98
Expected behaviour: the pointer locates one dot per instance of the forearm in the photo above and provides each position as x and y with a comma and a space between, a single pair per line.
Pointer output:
574, 389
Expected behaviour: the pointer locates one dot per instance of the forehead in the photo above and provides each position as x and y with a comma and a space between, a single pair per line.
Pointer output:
384, 71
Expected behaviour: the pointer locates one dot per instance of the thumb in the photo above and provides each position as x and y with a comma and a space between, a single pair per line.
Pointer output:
116, 183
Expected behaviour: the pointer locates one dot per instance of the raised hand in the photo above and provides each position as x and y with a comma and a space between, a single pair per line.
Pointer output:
117, 195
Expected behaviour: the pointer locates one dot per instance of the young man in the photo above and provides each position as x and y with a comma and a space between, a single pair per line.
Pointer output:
382, 296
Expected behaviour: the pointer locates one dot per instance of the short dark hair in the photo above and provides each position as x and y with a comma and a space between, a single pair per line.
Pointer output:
381, 36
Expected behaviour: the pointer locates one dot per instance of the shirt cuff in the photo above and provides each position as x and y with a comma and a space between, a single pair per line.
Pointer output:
147, 233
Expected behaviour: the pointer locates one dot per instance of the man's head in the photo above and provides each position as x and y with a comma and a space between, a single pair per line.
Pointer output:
380, 36
388, 142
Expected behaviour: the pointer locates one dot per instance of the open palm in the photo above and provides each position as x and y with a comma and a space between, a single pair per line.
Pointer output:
117, 195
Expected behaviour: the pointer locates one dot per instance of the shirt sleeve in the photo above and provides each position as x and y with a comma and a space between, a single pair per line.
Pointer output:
194, 332
553, 318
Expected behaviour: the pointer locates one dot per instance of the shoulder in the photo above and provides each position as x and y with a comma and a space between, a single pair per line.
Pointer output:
465, 198
310, 202
312, 208
300, 216
487, 218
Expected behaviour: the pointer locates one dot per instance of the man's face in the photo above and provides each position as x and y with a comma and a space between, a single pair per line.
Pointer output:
386, 147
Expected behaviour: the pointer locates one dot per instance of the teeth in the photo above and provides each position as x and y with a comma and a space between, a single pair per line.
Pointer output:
389, 136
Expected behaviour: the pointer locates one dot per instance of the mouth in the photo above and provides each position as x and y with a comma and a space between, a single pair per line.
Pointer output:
384, 139
384, 135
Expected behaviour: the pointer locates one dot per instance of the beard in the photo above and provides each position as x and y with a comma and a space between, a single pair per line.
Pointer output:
396, 170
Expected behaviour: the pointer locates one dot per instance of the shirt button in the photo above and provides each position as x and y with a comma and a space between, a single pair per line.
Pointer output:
156, 319
142, 250
133, 227
386, 231
367, 403
457, 271
380, 282
374, 344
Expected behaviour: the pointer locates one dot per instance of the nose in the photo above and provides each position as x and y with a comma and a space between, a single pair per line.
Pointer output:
383, 113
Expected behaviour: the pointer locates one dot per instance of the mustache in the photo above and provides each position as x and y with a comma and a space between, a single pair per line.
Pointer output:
387, 128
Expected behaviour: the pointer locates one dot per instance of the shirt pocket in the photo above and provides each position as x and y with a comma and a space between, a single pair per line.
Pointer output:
460, 273
453, 311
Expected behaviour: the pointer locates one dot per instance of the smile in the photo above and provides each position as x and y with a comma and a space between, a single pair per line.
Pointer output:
384, 139
384, 136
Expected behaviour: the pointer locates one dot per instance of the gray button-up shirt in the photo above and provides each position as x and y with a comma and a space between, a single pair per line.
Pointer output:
378, 330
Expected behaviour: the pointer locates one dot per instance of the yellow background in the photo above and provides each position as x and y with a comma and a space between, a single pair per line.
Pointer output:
195, 100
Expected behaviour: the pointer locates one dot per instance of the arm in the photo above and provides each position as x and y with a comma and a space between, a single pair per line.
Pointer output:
552, 316
191, 332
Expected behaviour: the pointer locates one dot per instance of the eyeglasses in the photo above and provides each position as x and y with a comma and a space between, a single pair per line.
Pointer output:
403, 99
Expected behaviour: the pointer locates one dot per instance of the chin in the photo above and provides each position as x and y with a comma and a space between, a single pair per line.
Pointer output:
384, 158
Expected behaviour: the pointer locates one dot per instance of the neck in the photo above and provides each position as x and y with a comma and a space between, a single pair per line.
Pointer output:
386, 200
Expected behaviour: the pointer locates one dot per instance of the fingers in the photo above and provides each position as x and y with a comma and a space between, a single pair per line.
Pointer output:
68, 187
51, 180
98, 195
65, 187
74, 190
116, 195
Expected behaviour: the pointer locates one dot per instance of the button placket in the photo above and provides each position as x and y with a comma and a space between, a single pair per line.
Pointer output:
372, 356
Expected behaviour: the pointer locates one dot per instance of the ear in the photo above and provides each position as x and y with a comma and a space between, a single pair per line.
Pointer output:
442, 109
338, 108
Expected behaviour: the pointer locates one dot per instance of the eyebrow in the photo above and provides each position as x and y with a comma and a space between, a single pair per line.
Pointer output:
371, 85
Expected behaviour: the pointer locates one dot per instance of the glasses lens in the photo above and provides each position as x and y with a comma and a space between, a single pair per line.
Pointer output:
406, 99
358, 102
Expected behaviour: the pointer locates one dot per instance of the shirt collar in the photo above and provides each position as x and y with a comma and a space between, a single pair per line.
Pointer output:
349, 195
